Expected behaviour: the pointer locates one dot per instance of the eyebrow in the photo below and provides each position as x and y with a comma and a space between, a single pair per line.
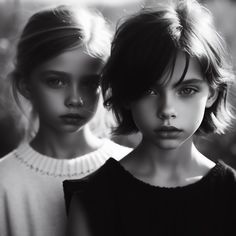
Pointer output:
54, 72
189, 81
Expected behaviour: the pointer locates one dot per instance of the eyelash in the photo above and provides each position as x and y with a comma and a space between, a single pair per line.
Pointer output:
188, 91
56, 82
151, 92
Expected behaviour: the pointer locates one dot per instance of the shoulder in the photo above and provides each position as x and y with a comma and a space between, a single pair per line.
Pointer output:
225, 185
96, 184
10, 172
8, 163
223, 178
225, 172
13, 166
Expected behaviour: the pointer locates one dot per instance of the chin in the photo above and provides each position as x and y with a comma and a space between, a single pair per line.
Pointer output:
70, 129
168, 144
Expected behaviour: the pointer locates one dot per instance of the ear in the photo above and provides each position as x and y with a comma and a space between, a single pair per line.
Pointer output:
24, 88
213, 95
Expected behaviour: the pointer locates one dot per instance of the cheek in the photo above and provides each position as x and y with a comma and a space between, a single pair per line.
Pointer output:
90, 95
91, 100
194, 111
47, 100
143, 115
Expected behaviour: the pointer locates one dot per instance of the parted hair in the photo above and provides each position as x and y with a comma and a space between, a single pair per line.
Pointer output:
145, 46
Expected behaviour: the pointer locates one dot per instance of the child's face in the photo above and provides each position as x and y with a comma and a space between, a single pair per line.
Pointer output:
170, 115
64, 90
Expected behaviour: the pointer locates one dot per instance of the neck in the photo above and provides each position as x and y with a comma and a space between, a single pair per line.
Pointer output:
167, 167
66, 145
167, 158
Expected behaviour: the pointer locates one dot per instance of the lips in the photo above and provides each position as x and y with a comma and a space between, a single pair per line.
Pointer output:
168, 129
168, 132
72, 118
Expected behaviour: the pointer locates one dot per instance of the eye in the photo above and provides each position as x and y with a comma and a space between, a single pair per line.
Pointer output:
151, 92
188, 91
56, 82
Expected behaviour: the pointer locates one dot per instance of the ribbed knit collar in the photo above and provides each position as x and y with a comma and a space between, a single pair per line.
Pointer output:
74, 167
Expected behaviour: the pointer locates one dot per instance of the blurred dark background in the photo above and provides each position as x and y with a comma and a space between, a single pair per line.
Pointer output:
14, 14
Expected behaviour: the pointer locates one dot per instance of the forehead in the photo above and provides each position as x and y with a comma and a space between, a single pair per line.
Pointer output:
73, 61
182, 68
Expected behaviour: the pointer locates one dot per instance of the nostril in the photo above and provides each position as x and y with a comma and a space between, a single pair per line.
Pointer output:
73, 102
167, 116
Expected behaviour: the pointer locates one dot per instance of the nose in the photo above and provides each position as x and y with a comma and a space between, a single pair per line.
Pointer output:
167, 115
74, 99
167, 110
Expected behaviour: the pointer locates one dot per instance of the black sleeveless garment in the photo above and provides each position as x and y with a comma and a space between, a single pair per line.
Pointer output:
118, 204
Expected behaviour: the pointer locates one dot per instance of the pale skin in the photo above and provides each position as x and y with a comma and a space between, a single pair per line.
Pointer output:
171, 161
63, 86
165, 157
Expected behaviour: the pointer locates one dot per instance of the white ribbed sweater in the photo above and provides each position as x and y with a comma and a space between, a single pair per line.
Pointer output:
31, 193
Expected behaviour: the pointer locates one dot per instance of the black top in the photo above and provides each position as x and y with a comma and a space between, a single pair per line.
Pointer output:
119, 204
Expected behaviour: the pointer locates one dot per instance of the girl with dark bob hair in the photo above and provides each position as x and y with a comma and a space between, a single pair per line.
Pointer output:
59, 57
146, 46
168, 77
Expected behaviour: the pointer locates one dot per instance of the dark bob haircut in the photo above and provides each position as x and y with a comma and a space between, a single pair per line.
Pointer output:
146, 45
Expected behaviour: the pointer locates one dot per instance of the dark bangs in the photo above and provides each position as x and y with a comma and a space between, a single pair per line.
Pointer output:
144, 53
140, 55
144, 49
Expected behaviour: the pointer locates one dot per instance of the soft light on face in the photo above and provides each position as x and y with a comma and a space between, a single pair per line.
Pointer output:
65, 90
177, 106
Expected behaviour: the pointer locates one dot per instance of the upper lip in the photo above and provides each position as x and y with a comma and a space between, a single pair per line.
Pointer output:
168, 129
